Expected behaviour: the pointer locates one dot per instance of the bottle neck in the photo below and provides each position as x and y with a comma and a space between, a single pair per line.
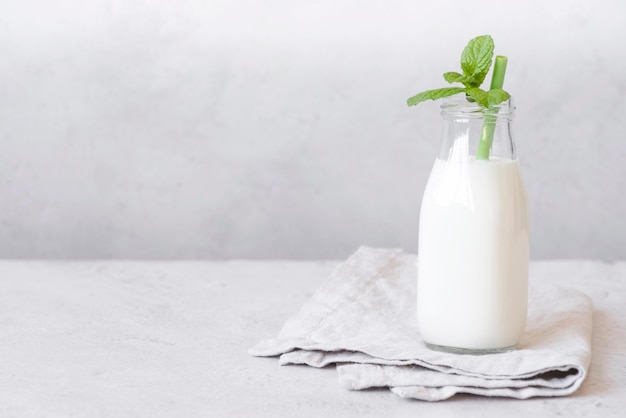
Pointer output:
472, 132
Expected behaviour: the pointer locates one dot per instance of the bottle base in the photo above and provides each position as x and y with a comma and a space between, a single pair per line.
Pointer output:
471, 351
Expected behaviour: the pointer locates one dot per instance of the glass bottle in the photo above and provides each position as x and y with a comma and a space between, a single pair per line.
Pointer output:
472, 284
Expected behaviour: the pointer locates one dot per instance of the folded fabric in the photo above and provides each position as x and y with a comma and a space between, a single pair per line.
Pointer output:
363, 320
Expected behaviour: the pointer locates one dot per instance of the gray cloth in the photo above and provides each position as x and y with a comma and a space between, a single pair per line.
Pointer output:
363, 320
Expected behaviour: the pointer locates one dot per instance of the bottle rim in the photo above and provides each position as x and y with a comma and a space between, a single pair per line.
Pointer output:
459, 106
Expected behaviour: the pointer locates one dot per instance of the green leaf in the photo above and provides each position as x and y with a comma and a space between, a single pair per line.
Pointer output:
481, 96
497, 96
488, 98
454, 77
476, 58
434, 95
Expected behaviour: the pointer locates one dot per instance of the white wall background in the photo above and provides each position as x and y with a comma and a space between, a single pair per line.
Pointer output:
278, 128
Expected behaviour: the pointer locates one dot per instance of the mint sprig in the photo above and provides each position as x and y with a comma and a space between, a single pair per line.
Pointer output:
476, 61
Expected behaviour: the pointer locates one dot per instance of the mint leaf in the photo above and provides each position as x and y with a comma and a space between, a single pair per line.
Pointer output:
481, 96
497, 96
476, 58
454, 77
434, 95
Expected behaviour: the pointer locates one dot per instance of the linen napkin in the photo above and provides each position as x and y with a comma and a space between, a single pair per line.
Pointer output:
363, 320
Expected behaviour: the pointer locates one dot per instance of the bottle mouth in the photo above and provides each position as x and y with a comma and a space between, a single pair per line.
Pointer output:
460, 107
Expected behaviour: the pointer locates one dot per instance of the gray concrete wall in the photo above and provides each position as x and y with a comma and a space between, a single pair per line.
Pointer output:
278, 129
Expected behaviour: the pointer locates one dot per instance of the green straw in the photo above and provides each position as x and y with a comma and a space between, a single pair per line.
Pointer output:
489, 126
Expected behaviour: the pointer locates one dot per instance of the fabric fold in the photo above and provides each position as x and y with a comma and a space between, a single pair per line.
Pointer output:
363, 320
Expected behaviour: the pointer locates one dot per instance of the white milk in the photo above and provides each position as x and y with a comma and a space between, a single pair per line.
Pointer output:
473, 255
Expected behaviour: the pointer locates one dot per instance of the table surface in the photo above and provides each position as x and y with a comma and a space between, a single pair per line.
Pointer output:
170, 339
